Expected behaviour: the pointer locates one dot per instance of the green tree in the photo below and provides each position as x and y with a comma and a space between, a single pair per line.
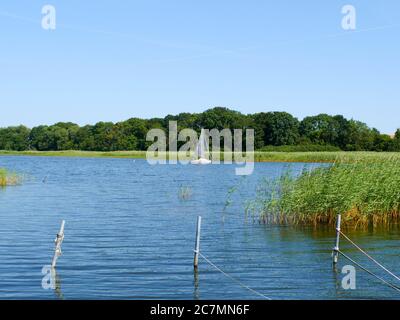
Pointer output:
185, 120
271, 128
103, 136
320, 129
14, 138
360, 137
85, 139
396, 141
341, 127
60, 136
40, 139
65, 135
275, 128
131, 134
382, 142
221, 118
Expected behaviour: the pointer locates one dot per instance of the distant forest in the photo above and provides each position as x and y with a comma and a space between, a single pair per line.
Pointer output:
273, 131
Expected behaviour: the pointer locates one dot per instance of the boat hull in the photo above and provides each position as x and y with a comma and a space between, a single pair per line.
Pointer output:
201, 161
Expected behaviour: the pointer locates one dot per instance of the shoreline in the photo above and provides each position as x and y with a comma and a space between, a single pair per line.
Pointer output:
259, 156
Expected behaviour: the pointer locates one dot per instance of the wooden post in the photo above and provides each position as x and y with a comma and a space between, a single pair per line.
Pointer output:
58, 241
335, 253
197, 245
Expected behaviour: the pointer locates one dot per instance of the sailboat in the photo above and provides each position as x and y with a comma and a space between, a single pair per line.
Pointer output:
201, 152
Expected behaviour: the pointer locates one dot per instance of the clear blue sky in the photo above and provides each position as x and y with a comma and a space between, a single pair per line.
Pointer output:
112, 60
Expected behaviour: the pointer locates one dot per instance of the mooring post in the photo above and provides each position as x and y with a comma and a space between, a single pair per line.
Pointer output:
197, 245
335, 252
58, 241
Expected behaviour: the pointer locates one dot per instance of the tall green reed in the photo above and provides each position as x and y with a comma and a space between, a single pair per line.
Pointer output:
366, 191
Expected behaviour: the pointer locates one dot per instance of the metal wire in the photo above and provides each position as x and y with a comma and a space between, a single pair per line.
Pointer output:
369, 272
232, 278
376, 262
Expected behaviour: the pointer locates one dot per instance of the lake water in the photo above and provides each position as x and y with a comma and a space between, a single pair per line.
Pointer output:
130, 235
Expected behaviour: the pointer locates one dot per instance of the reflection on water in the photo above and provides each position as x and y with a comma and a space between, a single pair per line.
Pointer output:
196, 293
129, 235
57, 282
336, 276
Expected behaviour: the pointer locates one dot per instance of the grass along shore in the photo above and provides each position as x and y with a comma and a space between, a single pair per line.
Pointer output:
77, 153
259, 156
365, 191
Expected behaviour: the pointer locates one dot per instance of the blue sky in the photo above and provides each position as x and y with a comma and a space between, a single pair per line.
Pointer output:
112, 60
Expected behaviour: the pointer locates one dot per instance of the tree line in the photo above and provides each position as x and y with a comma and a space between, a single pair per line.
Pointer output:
272, 129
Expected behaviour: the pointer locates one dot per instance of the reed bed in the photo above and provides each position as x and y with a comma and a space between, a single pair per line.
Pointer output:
365, 190
8, 179
185, 193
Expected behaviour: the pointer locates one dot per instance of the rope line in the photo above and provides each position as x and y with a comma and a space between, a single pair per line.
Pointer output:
369, 272
376, 262
232, 278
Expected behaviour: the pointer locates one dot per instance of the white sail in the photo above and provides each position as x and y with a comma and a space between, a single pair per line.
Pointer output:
202, 148
203, 145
